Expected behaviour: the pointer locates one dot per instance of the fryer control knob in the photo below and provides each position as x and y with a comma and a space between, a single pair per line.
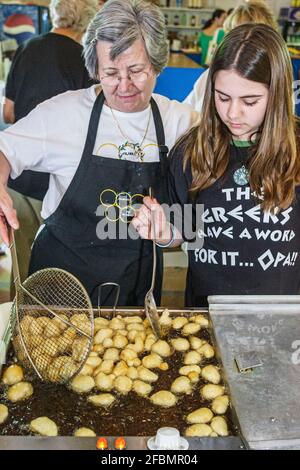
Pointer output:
167, 439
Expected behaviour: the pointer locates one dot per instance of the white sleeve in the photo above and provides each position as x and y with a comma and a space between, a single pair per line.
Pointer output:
195, 98
23, 144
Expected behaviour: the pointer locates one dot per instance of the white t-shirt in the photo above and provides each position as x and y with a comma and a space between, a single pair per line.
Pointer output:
51, 138
195, 98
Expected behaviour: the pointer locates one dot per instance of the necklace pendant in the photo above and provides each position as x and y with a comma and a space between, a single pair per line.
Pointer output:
241, 176
139, 152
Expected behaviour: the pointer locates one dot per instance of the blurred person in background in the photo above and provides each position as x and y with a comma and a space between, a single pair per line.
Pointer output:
251, 12
211, 32
43, 67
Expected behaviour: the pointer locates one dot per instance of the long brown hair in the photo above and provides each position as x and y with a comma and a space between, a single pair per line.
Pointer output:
257, 53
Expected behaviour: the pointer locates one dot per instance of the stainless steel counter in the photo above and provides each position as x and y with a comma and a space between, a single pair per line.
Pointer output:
266, 398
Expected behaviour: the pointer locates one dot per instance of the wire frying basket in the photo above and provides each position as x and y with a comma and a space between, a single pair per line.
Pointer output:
53, 322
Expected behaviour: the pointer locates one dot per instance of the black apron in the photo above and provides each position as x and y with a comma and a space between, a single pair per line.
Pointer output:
69, 239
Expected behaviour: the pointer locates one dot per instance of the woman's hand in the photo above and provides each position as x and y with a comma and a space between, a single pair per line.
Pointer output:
143, 222
8, 215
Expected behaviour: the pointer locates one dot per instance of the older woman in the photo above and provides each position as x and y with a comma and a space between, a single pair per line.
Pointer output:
43, 67
104, 147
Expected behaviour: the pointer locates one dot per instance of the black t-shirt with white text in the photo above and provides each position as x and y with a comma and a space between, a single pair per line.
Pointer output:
237, 248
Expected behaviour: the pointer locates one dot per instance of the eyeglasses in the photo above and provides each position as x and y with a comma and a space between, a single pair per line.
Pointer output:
113, 79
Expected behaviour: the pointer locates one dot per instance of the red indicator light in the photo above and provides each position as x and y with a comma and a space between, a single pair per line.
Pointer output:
102, 443
120, 443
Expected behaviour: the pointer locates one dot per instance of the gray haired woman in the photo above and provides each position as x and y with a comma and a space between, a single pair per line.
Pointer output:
73, 14
104, 147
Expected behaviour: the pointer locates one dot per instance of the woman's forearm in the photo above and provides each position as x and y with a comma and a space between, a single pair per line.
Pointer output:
5, 169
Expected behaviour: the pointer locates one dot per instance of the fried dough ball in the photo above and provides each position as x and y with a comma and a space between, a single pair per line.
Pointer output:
25, 324
135, 319
210, 391
186, 370
68, 338
100, 323
108, 343
149, 341
84, 432
220, 404
198, 430
123, 384
165, 319
86, 370
106, 366
104, 382
164, 398
180, 344
192, 358
51, 329
138, 345
201, 320
111, 354
200, 416
53, 373
103, 334
147, 375
194, 377
141, 388
38, 325
36, 340
121, 368
152, 361
219, 426
128, 355
82, 383
98, 348
80, 349
181, 385
42, 362
179, 322
135, 327
207, 350
60, 321
196, 342
211, 374
12, 375
162, 348
68, 369
132, 373
104, 399
3, 413
44, 426
93, 361
123, 332
190, 329
20, 391
117, 324
50, 346
120, 341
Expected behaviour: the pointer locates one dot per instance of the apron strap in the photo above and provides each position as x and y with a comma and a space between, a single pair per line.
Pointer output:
159, 129
93, 126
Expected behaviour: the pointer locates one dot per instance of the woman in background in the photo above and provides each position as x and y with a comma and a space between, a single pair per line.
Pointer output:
252, 12
211, 27
43, 67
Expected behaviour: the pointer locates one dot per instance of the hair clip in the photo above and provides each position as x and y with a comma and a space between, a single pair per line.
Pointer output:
94, 41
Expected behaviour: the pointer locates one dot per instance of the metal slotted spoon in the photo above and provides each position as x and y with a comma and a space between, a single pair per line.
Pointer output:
150, 305
54, 322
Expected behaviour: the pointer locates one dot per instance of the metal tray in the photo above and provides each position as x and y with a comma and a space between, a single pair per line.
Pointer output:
266, 397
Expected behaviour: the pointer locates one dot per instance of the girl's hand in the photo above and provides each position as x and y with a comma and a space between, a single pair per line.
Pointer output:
8, 215
143, 222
